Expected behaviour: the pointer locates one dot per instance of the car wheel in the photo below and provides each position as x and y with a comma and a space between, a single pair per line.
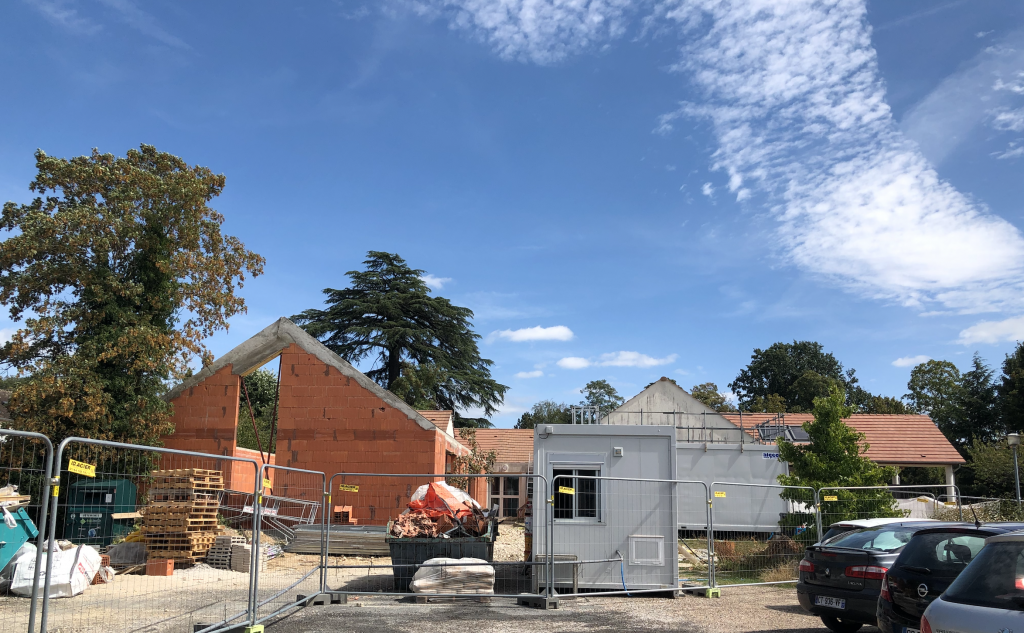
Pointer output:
840, 626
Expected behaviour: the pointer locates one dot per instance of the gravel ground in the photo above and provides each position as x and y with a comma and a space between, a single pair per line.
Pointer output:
740, 610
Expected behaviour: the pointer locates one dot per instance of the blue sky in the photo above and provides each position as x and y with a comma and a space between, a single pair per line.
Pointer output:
618, 190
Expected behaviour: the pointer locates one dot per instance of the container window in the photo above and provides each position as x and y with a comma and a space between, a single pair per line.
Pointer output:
583, 500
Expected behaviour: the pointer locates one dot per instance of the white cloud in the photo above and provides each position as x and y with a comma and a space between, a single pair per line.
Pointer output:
538, 333
707, 189
616, 359
1015, 86
541, 31
530, 374
144, 23
797, 103
911, 361
58, 12
573, 362
435, 282
1013, 151
1011, 329
634, 359
1009, 120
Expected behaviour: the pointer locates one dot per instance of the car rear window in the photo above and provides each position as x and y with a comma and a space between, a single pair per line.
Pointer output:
994, 579
885, 538
942, 553
836, 531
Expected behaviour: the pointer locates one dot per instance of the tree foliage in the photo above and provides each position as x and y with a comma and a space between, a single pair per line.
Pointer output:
387, 314
544, 412
708, 394
263, 392
117, 271
1010, 390
834, 456
478, 461
600, 394
797, 372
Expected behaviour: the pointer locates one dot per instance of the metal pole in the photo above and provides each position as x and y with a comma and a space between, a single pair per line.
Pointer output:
1016, 473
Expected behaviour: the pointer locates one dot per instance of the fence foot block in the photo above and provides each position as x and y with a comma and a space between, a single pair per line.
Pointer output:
241, 628
713, 592
538, 602
339, 598
305, 601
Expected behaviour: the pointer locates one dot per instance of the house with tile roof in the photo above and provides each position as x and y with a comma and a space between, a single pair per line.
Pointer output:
513, 448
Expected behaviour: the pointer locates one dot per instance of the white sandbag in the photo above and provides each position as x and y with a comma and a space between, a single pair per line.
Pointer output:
454, 575
73, 571
25, 552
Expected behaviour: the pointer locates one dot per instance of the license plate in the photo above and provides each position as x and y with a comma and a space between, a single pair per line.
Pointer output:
907, 629
832, 603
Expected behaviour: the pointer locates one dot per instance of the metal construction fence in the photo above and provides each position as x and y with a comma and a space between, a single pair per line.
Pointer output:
248, 541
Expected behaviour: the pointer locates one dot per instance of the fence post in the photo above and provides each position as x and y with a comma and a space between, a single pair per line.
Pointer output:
817, 512
711, 538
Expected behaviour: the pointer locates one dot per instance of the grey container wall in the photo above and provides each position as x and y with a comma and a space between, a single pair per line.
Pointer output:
743, 509
407, 554
634, 520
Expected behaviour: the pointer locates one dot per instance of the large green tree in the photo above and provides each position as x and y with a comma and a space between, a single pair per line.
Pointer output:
965, 406
387, 314
934, 389
834, 456
600, 394
708, 394
797, 372
261, 406
544, 412
116, 273
978, 406
1010, 389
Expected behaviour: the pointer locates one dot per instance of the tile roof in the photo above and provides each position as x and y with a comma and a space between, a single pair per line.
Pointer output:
892, 439
511, 445
440, 419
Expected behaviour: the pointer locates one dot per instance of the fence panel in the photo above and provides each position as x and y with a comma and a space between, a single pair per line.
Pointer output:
287, 551
26, 465
360, 544
873, 502
142, 507
615, 536
760, 532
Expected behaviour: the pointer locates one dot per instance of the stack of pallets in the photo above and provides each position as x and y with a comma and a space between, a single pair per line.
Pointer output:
219, 556
181, 520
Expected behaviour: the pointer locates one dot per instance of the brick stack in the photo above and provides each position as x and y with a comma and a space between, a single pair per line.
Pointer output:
181, 521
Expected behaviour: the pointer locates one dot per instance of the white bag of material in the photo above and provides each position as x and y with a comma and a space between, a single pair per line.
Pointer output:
26, 552
73, 571
454, 575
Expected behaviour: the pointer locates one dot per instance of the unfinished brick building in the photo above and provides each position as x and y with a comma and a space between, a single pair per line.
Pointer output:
331, 418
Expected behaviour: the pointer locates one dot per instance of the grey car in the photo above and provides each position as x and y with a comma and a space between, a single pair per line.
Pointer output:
987, 596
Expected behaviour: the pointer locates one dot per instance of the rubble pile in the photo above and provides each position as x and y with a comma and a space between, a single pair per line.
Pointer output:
440, 510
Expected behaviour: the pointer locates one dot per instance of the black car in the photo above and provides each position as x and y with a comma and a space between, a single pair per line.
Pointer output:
926, 567
840, 579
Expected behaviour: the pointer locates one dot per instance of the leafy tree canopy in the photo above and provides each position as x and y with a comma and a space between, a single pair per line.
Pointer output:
423, 347
965, 406
261, 386
1010, 390
117, 271
797, 372
834, 457
991, 469
544, 412
600, 394
708, 394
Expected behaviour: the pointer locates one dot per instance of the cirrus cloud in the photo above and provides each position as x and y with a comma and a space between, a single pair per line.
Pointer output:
530, 374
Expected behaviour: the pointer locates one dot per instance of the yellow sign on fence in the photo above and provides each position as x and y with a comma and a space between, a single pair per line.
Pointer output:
719, 494
82, 468
267, 483
348, 488
566, 491
830, 498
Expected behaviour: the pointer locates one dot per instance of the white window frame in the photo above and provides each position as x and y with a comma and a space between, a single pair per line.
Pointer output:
575, 468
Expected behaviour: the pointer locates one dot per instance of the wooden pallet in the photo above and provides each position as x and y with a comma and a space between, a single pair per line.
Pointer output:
161, 513
187, 472
184, 526
175, 483
183, 497
183, 539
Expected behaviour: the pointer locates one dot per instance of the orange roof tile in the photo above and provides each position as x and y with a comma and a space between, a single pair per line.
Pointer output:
511, 445
439, 419
892, 439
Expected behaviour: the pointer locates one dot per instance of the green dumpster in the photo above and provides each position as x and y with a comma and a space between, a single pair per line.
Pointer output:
90, 507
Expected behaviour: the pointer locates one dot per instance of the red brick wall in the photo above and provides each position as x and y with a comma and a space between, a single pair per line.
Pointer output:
329, 423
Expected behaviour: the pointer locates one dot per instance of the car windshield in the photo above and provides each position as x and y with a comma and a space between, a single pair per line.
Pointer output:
994, 579
943, 554
884, 538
